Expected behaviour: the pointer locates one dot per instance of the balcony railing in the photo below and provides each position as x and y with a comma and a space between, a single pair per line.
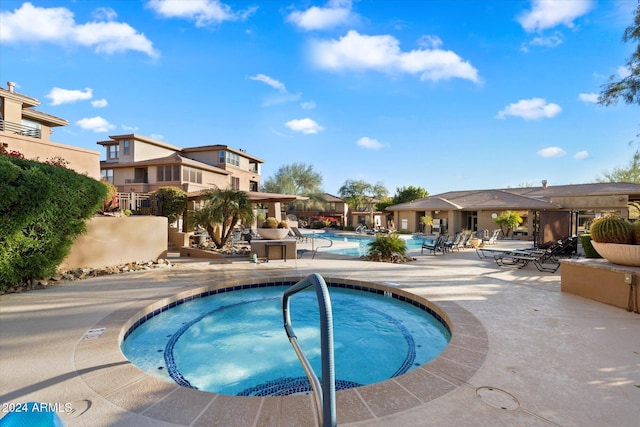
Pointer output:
20, 129
136, 181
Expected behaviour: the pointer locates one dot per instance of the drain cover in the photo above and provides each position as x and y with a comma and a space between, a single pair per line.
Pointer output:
497, 398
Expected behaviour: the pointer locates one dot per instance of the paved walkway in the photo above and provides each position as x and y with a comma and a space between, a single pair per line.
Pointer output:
549, 359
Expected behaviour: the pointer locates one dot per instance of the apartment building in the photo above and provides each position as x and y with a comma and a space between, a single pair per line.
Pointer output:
138, 164
28, 131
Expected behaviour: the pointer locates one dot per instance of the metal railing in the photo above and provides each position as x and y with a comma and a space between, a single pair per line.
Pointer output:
19, 129
314, 249
325, 393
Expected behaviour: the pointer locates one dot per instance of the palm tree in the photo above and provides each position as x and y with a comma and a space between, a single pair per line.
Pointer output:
223, 208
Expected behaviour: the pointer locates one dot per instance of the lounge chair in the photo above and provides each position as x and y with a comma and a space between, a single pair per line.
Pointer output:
455, 243
435, 246
493, 238
298, 235
543, 259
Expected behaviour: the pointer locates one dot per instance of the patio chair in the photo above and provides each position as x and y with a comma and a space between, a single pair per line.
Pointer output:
298, 235
493, 238
435, 246
455, 243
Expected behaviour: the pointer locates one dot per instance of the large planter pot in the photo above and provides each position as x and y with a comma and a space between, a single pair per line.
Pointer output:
273, 233
617, 253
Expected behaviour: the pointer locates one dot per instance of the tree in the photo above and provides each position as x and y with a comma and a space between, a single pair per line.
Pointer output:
223, 208
508, 219
629, 174
361, 195
403, 195
172, 202
299, 179
628, 87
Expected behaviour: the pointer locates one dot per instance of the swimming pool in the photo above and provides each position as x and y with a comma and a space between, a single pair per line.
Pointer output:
233, 342
362, 247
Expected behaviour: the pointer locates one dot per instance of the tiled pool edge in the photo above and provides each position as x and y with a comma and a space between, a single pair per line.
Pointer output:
103, 367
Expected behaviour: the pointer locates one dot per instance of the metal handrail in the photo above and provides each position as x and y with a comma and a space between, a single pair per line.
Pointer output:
313, 242
325, 395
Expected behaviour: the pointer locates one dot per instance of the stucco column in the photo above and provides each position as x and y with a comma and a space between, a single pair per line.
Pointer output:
273, 210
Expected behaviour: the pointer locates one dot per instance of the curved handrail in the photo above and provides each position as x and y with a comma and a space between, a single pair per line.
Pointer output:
313, 242
325, 394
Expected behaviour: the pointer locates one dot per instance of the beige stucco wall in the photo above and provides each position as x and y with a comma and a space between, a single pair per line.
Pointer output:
599, 280
113, 241
81, 160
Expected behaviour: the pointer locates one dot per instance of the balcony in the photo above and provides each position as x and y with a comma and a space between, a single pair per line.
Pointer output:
19, 129
136, 181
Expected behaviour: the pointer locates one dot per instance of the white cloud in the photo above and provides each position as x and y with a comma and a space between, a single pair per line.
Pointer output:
269, 81
554, 40
130, 128
581, 155
60, 96
57, 25
308, 105
429, 41
319, 18
99, 103
552, 152
588, 97
104, 14
157, 136
371, 144
306, 126
530, 109
382, 53
546, 14
95, 124
203, 12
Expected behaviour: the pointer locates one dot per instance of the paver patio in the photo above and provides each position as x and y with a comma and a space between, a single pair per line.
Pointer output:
565, 360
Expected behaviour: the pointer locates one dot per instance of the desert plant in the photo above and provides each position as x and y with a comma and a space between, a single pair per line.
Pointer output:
508, 219
388, 245
589, 251
426, 220
612, 229
270, 222
283, 224
636, 232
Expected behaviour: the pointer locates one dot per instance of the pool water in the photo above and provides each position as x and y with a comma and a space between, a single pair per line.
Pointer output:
363, 247
234, 343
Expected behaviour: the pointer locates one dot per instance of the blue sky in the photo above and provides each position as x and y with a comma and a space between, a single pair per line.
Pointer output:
446, 95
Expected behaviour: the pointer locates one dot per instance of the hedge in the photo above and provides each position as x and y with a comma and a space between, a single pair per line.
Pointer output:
43, 208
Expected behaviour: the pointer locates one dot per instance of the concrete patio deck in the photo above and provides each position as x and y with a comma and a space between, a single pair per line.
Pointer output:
533, 355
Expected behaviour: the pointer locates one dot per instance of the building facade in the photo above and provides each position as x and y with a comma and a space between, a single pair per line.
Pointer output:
28, 131
138, 164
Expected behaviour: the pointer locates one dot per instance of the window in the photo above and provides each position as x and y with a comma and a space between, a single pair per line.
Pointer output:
107, 175
31, 128
113, 151
125, 146
168, 173
191, 175
235, 183
229, 158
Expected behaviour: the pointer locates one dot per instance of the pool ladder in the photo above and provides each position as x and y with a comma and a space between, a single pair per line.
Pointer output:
313, 244
325, 393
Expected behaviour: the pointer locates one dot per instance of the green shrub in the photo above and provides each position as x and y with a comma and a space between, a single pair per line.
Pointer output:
387, 245
172, 201
612, 229
43, 208
589, 251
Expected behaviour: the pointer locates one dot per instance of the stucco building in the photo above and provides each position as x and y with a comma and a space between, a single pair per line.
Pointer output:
548, 211
28, 131
138, 164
